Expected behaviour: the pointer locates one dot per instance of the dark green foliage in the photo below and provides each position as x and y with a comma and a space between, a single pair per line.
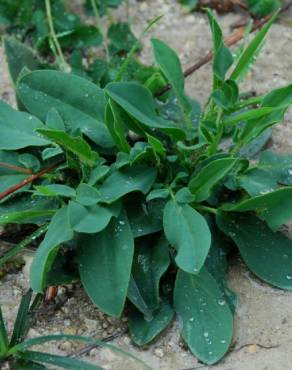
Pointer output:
149, 195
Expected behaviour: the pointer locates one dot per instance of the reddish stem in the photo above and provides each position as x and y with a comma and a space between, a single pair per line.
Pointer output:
16, 168
29, 180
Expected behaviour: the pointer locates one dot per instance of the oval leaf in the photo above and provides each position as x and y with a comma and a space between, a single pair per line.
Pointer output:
137, 101
207, 319
80, 103
105, 261
188, 232
18, 129
144, 330
59, 232
266, 253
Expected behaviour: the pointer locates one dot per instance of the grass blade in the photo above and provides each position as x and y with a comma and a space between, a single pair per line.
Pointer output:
23, 244
3, 336
21, 347
252, 50
22, 320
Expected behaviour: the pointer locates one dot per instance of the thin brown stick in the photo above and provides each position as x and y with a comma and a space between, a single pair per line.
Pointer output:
89, 347
232, 39
29, 179
16, 168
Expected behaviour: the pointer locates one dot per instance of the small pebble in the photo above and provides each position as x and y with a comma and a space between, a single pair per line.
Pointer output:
158, 352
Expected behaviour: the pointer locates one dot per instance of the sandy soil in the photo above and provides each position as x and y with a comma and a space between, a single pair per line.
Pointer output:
263, 334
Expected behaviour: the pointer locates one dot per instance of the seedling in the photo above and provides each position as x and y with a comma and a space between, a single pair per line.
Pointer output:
143, 198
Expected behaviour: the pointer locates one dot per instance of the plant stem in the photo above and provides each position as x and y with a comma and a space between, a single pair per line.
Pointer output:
60, 57
97, 18
29, 180
23, 244
16, 168
220, 130
206, 209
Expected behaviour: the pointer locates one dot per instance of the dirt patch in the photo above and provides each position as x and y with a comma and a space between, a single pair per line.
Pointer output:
263, 332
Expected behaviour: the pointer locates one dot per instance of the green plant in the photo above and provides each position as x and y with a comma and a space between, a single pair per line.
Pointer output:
17, 351
258, 8
144, 198
62, 41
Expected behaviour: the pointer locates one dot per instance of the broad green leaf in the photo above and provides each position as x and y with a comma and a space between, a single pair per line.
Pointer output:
203, 182
251, 51
59, 232
149, 264
76, 145
54, 190
127, 180
188, 232
207, 319
272, 171
255, 146
80, 103
170, 66
97, 174
18, 56
266, 253
54, 121
275, 207
144, 330
222, 59
158, 194
18, 129
142, 219
105, 262
217, 265
81, 37
57, 360
138, 102
87, 195
91, 219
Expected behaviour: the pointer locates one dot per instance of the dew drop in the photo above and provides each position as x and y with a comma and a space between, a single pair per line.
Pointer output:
206, 334
221, 302
289, 277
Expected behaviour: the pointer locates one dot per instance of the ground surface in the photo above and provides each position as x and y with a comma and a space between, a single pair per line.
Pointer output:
263, 323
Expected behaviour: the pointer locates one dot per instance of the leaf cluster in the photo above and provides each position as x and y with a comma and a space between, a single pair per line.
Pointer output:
147, 196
